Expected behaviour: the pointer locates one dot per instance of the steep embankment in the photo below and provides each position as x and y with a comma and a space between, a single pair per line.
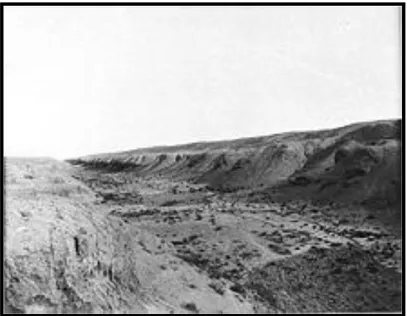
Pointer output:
355, 163
61, 253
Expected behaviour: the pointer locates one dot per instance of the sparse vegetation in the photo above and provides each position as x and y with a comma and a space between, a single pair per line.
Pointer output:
279, 249
169, 203
238, 288
217, 286
190, 307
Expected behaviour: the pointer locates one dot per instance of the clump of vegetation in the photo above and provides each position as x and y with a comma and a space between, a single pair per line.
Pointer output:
238, 288
213, 221
217, 286
169, 203
191, 238
249, 255
195, 259
25, 214
190, 307
278, 249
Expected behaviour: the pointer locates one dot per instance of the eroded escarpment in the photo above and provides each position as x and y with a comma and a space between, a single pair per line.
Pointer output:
61, 254
357, 163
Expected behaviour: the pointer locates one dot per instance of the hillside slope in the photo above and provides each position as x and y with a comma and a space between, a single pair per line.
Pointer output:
65, 253
357, 163
61, 253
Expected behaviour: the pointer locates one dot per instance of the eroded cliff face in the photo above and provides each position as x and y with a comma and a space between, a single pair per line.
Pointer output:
62, 255
340, 164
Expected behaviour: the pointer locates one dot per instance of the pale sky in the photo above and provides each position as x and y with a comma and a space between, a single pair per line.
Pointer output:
83, 80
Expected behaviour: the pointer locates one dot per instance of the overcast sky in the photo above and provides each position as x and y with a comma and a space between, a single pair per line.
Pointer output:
83, 80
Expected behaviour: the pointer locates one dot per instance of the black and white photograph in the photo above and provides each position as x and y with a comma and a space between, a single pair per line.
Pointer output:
203, 158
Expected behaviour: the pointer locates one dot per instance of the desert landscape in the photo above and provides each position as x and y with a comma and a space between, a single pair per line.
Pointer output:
297, 222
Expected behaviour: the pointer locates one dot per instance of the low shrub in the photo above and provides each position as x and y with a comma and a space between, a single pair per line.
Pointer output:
169, 203
217, 286
190, 306
236, 287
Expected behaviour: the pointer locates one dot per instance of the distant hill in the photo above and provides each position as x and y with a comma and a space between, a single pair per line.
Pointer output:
356, 163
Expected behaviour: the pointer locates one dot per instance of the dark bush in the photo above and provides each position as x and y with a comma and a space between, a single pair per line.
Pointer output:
169, 203
238, 288
190, 306
278, 249
217, 287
